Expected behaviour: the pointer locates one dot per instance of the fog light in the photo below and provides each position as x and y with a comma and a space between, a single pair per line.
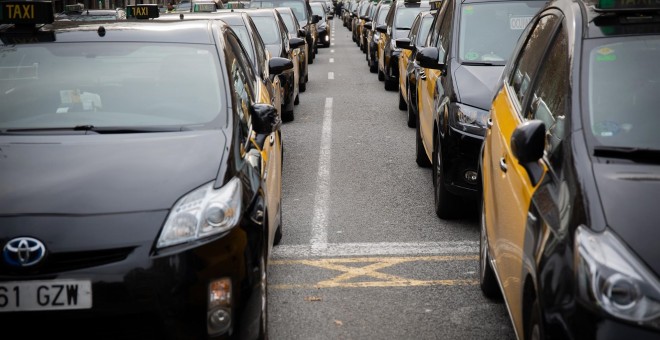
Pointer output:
220, 293
219, 321
471, 176
327, 38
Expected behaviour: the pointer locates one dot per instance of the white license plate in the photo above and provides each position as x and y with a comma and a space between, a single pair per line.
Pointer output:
45, 295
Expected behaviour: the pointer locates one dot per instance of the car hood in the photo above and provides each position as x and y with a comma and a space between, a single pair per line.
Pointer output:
476, 84
104, 174
629, 194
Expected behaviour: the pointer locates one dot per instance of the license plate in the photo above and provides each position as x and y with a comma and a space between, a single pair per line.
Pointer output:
45, 295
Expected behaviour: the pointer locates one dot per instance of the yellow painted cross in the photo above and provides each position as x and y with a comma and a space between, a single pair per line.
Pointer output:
371, 271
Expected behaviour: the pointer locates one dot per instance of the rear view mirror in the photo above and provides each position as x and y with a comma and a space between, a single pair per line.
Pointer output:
528, 145
265, 119
405, 44
277, 65
382, 29
302, 33
368, 26
296, 42
428, 57
316, 18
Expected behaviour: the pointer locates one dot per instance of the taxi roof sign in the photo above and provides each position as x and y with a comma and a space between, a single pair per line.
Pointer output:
627, 5
143, 11
24, 12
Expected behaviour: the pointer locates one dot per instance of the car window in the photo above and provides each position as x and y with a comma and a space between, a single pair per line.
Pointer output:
288, 21
244, 37
406, 15
623, 84
268, 29
241, 85
530, 56
550, 94
382, 15
444, 33
488, 31
424, 29
109, 84
317, 9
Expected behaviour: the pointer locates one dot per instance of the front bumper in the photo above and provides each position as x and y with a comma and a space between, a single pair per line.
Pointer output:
461, 155
136, 292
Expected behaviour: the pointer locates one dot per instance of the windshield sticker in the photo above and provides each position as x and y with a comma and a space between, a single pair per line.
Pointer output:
468, 10
605, 54
519, 23
471, 56
606, 128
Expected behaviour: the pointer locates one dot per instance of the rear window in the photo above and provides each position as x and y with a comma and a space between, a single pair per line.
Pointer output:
64, 85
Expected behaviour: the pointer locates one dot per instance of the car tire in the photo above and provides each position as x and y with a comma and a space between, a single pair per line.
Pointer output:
412, 116
373, 67
391, 85
534, 328
316, 50
420, 154
297, 100
381, 75
302, 86
487, 279
278, 231
402, 102
287, 116
446, 203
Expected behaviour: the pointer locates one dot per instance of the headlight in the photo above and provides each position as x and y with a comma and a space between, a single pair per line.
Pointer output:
471, 119
203, 212
393, 45
612, 278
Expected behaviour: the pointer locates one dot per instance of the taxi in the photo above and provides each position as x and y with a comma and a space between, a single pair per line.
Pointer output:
295, 31
408, 68
570, 170
373, 37
358, 20
397, 25
323, 27
364, 31
132, 198
467, 49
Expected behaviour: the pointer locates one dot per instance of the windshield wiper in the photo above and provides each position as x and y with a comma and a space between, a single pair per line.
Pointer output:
403, 28
91, 129
644, 155
478, 63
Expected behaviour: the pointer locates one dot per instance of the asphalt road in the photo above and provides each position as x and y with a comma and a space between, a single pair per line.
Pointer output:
363, 255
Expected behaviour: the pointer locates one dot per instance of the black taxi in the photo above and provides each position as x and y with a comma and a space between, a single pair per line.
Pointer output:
132, 202
571, 175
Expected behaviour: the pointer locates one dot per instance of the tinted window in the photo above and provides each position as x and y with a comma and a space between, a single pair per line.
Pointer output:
318, 10
268, 30
244, 37
109, 84
288, 21
406, 15
424, 29
382, 15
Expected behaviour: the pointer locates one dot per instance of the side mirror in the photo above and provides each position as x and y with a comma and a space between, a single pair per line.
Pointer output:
277, 65
296, 42
368, 26
428, 57
527, 145
382, 29
265, 119
405, 44
364, 17
302, 33
316, 18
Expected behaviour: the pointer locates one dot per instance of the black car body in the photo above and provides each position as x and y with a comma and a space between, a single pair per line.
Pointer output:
415, 41
294, 29
373, 36
305, 19
397, 25
275, 36
323, 27
364, 31
131, 199
583, 82
469, 44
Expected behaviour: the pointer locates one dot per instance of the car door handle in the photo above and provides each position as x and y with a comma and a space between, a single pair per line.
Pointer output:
489, 123
272, 139
422, 74
503, 166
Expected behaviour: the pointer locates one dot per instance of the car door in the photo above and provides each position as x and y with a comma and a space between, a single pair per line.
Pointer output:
405, 57
429, 77
508, 188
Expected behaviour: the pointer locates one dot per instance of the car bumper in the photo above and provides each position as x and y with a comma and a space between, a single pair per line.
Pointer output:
461, 154
136, 291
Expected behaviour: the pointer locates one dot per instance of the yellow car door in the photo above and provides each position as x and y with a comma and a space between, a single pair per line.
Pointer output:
403, 71
426, 106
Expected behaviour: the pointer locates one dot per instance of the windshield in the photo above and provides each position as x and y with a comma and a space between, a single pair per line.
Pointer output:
244, 37
406, 15
317, 9
424, 29
288, 22
298, 7
267, 28
65, 85
623, 85
364, 7
488, 31
382, 15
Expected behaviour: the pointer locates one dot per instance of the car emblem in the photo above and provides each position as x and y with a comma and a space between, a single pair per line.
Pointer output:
23, 252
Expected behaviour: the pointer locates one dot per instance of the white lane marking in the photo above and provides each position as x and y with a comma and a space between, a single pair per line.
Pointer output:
331, 75
332, 51
332, 60
375, 249
319, 241
332, 44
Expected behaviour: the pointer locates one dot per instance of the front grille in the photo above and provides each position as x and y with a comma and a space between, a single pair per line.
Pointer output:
63, 262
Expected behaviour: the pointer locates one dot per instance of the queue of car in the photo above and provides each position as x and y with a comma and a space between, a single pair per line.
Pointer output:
140, 194
542, 114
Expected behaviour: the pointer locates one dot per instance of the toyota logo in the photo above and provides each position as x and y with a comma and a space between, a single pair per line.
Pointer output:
23, 252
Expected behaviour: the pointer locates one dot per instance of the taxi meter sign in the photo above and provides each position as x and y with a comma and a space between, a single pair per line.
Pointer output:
627, 5
142, 11
22, 12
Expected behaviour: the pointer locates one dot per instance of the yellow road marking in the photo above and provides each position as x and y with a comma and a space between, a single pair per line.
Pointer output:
371, 270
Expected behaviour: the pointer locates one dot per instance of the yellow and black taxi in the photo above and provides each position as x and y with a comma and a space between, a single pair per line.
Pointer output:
469, 44
408, 68
323, 27
131, 192
397, 24
294, 30
571, 169
364, 31
358, 21
373, 36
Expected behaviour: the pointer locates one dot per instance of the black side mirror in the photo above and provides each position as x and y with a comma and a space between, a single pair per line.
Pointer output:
368, 26
316, 18
296, 42
265, 119
428, 57
277, 65
527, 145
405, 44
302, 33
364, 17
382, 29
